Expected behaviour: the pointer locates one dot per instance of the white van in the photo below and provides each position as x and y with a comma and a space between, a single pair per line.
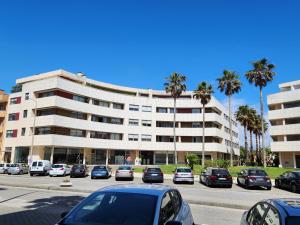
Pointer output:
41, 167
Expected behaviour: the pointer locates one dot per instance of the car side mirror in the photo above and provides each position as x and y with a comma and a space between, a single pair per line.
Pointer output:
64, 214
173, 223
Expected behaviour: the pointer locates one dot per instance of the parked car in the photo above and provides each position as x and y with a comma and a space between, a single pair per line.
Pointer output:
40, 167
289, 180
79, 170
254, 177
59, 170
216, 177
124, 172
183, 174
4, 167
153, 174
273, 212
101, 172
131, 205
18, 168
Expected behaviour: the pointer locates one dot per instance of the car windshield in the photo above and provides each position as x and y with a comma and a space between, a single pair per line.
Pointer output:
57, 166
99, 168
14, 165
184, 170
293, 220
124, 168
257, 173
114, 208
154, 170
221, 172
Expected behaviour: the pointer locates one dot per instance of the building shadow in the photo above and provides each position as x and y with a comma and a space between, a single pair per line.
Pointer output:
43, 211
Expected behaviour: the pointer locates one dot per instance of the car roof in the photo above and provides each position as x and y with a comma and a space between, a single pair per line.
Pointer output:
290, 205
150, 189
255, 169
183, 167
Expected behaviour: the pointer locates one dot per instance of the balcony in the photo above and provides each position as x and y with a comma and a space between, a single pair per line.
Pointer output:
285, 129
285, 146
284, 113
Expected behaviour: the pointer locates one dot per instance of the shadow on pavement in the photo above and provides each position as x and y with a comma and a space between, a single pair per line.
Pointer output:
44, 211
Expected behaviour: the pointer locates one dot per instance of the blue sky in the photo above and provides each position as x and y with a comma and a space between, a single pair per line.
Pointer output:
139, 43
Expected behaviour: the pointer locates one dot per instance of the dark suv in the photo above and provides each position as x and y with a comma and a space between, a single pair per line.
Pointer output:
153, 175
216, 177
289, 180
79, 170
254, 177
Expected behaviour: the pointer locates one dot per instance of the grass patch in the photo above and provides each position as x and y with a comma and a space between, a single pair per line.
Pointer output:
273, 172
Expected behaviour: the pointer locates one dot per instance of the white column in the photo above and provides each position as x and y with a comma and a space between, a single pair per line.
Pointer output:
280, 160
106, 160
167, 158
294, 160
83, 156
52, 153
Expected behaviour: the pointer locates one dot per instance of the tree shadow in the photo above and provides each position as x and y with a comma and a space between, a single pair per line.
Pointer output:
44, 211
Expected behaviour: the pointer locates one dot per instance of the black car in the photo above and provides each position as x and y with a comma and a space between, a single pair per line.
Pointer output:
289, 180
79, 170
273, 212
153, 175
216, 177
254, 177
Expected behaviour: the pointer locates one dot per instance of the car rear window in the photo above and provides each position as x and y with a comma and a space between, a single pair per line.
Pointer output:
99, 168
184, 170
57, 166
257, 173
116, 208
14, 165
154, 170
1, 165
40, 164
221, 172
292, 220
34, 163
124, 168
78, 167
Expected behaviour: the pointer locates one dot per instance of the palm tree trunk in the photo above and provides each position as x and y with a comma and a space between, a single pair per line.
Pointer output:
203, 137
262, 124
230, 130
174, 132
257, 149
251, 141
246, 141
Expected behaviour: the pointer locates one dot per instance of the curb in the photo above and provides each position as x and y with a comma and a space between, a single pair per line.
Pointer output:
190, 201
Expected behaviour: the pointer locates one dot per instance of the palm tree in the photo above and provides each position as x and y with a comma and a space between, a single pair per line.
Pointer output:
257, 132
203, 93
230, 84
175, 85
251, 125
260, 75
242, 115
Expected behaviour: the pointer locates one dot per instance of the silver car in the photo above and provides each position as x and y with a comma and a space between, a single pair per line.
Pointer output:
131, 205
18, 168
124, 172
4, 167
183, 174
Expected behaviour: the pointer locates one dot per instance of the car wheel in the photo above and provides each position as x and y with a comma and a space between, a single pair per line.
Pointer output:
294, 188
50, 176
207, 184
229, 186
116, 179
92, 177
246, 185
71, 176
31, 174
174, 182
238, 182
269, 188
192, 183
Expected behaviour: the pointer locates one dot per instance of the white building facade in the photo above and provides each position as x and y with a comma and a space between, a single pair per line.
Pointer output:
79, 119
284, 116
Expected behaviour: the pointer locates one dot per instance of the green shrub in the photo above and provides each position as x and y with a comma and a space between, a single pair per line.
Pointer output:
192, 159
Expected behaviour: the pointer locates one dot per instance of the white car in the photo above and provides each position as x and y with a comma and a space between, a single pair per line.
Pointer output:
4, 167
59, 170
40, 167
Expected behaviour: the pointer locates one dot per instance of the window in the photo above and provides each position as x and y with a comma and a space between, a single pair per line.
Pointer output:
167, 211
256, 214
11, 133
196, 110
80, 98
116, 121
196, 124
77, 133
133, 107
133, 122
146, 108
13, 116
104, 104
272, 217
78, 115
146, 123
162, 110
25, 113
23, 131
46, 94
26, 96
196, 139
146, 137
114, 136
16, 100
176, 197
43, 130
118, 106
133, 137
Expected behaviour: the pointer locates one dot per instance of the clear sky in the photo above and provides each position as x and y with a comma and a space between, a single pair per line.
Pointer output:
139, 43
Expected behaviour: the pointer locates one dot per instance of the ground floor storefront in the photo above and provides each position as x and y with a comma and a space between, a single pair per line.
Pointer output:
289, 159
105, 156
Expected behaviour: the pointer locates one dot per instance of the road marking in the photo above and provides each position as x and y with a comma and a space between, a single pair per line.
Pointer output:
6, 200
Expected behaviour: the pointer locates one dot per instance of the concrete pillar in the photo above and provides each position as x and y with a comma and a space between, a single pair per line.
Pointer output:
52, 153
83, 156
280, 160
167, 158
106, 159
294, 160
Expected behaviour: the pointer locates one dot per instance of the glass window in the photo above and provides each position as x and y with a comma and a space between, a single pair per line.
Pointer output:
146, 137
118, 106
162, 110
104, 104
256, 214
146, 123
293, 220
257, 173
196, 110
26, 96
167, 211
114, 208
25, 114
133, 122
80, 98
16, 100
133, 137
133, 107
77, 133
146, 108
9, 133
272, 217
176, 197
43, 130
23, 131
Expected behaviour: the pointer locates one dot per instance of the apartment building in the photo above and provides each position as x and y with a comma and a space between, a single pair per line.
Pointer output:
4, 156
74, 119
284, 116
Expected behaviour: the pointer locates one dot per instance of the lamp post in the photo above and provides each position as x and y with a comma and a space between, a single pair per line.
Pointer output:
33, 131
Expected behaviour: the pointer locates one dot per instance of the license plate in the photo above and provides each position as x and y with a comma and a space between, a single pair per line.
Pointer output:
154, 174
222, 178
260, 179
